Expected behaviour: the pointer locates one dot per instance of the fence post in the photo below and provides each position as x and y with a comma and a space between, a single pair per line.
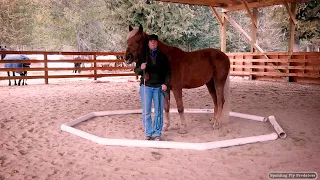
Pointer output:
95, 66
46, 79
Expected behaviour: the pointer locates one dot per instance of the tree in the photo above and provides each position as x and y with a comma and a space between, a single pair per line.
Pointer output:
16, 23
169, 20
203, 32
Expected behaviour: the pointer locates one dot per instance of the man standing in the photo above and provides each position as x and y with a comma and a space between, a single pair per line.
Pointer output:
155, 73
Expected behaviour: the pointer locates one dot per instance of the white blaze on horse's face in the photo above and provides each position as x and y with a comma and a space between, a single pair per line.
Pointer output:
135, 43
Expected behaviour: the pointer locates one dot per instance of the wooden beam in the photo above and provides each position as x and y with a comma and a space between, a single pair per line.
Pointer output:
238, 27
258, 4
194, 2
253, 19
232, 5
217, 15
293, 19
243, 32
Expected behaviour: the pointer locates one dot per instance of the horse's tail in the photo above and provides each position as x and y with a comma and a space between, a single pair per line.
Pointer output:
226, 105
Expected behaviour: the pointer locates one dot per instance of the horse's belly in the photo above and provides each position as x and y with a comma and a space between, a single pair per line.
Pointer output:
197, 79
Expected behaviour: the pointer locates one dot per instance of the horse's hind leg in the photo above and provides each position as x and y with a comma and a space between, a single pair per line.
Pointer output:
212, 91
8, 72
25, 79
19, 82
219, 86
178, 96
167, 110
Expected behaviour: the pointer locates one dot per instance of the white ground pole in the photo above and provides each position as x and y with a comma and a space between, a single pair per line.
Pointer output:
172, 144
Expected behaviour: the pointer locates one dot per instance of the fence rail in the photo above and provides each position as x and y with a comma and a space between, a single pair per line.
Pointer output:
275, 66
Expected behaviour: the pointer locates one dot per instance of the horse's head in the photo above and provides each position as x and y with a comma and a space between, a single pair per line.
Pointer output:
3, 55
136, 44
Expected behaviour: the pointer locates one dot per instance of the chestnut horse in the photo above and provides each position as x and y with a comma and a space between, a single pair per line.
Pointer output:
208, 67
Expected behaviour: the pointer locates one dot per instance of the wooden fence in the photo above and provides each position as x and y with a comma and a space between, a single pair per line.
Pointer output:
275, 66
94, 67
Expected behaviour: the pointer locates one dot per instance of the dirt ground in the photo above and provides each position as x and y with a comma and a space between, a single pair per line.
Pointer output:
32, 146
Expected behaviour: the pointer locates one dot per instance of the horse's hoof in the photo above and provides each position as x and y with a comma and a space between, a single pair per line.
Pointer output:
182, 131
216, 125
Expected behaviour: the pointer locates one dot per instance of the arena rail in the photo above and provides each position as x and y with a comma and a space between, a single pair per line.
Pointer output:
274, 66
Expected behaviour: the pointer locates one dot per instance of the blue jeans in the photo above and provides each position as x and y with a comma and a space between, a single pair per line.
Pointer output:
157, 95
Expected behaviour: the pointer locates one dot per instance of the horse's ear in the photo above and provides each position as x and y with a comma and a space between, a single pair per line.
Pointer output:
140, 28
130, 28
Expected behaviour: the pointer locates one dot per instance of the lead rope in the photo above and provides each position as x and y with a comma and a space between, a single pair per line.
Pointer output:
145, 102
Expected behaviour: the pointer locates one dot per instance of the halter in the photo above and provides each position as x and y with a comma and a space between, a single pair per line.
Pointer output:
135, 49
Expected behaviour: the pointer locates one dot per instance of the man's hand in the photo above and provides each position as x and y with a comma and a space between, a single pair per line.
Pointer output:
164, 87
143, 66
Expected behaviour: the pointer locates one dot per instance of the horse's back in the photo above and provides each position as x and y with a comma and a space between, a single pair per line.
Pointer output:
207, 53
216, 58
197, 68
15, 57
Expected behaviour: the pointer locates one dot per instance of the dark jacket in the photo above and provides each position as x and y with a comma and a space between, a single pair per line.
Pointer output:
157, 72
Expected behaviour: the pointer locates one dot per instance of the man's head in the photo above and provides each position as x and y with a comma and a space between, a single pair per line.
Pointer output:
153, 41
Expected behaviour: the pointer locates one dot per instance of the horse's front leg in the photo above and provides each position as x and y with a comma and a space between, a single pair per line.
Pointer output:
14, 74
167, 111
178, 96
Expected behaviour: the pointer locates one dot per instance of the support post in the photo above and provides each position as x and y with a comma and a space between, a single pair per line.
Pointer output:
292, 12
95, 67
46, 74
223, 38
253, 38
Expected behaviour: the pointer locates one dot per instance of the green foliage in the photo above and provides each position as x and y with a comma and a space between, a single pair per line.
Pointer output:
235, 41
273, 31
308, 14
16, 22
102, 25
203, 32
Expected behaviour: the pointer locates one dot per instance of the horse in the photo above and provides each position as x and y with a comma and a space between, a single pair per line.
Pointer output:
189, 70
17, 65
77, 65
